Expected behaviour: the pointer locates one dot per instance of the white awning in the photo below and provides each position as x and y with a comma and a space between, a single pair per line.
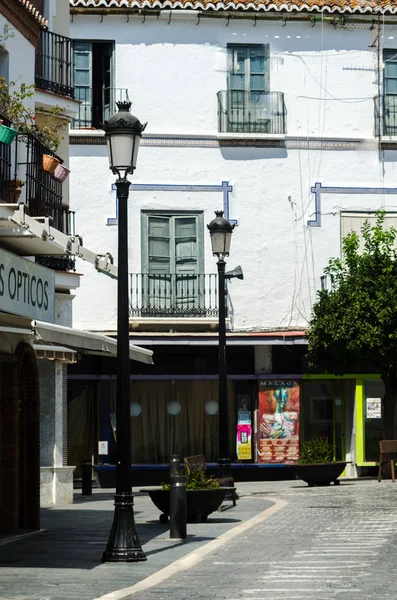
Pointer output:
85, 341
49, 352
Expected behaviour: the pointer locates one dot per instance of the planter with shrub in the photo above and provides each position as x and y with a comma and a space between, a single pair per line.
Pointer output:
203, 496
316, 465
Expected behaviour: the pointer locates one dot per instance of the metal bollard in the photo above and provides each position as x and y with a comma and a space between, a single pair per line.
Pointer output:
175, 464
178, 507
86, 477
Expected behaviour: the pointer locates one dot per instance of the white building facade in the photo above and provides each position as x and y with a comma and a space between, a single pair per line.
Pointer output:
285, 119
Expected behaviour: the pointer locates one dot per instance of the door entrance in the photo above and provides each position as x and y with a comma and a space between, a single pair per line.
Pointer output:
323, 410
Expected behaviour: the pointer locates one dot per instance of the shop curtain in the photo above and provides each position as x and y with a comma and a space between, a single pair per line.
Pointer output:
156, 434
80, 427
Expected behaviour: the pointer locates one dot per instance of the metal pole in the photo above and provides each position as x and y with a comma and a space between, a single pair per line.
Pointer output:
224, 460
178, 514
123, 544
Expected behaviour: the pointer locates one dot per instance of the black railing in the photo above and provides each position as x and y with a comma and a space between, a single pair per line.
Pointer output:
53, 71
96, 105
251, 112
155, 295
386, 114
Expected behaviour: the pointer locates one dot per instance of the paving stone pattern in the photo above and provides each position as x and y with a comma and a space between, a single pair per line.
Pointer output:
63, 562
326, 544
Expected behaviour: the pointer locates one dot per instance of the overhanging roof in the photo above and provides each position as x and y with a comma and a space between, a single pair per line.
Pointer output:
85, 342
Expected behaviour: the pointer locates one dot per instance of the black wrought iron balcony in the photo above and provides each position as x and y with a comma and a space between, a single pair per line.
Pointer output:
53, 70
96, 105
386, 114
251, 112
174, 295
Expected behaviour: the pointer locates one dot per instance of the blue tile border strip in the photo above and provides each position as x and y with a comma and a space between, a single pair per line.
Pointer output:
225, 188
319, 189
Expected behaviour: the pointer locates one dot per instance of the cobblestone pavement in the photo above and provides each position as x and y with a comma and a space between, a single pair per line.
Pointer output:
62, 562
326, 544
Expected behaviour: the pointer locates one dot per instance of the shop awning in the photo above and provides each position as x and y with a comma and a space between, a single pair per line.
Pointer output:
49, 352
85, 341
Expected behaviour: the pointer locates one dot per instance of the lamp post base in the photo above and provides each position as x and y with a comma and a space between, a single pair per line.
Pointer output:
123, 544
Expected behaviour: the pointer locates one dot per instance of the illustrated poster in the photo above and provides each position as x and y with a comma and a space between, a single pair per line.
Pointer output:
278, 421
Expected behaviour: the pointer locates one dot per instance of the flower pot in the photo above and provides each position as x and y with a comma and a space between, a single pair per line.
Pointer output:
49, 163
60, 173
320, 473
12, 189
7, 134
199, 503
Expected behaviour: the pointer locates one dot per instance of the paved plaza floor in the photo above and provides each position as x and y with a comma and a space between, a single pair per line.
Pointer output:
283, 540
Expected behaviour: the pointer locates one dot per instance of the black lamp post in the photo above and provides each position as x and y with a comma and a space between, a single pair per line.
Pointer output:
221, 234
123, 133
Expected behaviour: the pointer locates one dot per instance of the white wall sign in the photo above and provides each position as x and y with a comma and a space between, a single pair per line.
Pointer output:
26, 289
374, 408
103, 448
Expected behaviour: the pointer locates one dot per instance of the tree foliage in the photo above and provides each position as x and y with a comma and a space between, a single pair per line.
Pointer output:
356, 320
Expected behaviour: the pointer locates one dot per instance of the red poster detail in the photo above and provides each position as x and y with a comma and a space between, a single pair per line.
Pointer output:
278, 425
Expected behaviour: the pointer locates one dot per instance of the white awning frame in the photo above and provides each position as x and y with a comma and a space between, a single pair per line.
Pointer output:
86, 341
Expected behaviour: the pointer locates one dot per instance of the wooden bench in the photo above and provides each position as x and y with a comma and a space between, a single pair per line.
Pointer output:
388, 452
198, 462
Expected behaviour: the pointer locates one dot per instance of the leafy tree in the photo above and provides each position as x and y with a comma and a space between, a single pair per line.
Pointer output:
355, 322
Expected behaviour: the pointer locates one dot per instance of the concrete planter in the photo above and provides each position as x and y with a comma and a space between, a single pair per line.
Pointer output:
200, 503
321, 473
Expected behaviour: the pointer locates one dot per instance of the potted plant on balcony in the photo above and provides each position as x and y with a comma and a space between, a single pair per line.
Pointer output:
203, 496
13, 189
316, 465
14, 101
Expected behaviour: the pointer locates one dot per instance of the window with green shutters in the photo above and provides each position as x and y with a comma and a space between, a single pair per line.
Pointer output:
249, 100
390, 92
172, 261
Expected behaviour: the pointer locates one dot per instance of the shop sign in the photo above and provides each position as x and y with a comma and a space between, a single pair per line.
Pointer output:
244, 434
278, 421
26, 289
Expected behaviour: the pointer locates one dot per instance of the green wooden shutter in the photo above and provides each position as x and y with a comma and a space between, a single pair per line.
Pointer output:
390, 92
83, 81
186, 267
158, 284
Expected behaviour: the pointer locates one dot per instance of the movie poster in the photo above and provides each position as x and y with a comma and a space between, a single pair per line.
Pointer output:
278, 421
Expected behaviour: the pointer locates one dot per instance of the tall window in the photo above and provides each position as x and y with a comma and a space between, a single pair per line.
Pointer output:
93, 82
390, 92
248, 88
172, 260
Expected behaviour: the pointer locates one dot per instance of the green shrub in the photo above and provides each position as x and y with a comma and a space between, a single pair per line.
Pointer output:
316, 450
196, 479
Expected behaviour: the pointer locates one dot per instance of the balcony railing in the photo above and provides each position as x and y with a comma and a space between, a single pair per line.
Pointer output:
386, 114
251, 112
97, 104
53, 71
155, 295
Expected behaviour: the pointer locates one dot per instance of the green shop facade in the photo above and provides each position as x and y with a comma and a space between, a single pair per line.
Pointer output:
275, 403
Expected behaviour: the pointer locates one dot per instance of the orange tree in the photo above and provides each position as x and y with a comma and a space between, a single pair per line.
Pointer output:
355, 322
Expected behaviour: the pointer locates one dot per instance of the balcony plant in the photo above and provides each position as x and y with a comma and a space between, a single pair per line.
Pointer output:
316, 464
203, 496
14, 98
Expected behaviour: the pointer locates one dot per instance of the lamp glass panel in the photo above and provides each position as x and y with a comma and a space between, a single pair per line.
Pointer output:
121, 150
218, 242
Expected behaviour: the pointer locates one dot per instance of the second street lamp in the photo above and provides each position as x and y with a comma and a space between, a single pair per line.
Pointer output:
123, 133
221, 234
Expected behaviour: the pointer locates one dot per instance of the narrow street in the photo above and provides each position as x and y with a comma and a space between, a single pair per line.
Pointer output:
327, 543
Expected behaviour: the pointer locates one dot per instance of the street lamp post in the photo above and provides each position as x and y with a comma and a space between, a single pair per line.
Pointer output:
123, 133
221, 234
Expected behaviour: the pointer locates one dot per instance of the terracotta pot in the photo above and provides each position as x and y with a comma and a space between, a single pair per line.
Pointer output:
49, 163
12, 191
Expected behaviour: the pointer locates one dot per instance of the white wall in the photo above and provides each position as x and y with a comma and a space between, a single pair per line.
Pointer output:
21, 55
173, 73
